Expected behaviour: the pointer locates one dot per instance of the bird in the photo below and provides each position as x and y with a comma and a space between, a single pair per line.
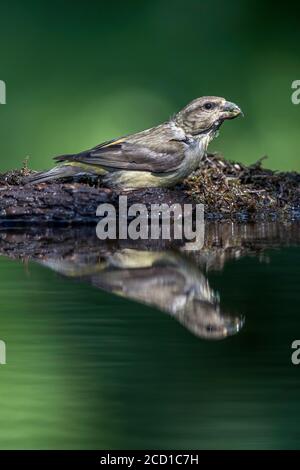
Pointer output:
160, 157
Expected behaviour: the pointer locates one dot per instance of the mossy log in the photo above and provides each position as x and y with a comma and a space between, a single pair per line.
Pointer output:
227, 190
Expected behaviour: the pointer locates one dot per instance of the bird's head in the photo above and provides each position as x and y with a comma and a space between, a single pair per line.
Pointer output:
206, 114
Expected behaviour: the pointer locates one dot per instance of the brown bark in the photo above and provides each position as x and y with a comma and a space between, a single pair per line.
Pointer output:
56, 204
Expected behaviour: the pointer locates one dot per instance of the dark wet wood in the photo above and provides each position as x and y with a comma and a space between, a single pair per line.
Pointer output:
76, 203
228, 190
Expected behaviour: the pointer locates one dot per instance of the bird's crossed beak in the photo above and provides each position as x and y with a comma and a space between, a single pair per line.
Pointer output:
231, 110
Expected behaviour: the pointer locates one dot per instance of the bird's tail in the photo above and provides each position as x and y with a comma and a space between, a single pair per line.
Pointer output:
57, 172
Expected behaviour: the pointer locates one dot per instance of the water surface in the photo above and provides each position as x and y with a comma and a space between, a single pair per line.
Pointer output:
205, 364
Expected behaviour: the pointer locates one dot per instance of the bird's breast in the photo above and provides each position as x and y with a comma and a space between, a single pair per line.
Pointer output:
194, 154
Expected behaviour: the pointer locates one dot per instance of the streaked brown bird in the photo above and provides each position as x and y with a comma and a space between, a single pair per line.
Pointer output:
158, 157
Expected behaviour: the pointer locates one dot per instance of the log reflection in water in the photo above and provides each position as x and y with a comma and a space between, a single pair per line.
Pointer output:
151, 272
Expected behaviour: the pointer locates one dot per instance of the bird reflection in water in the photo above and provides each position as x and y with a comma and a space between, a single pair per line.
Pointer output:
167, 280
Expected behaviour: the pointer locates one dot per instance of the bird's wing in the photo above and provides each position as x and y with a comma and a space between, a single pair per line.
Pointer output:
158, 150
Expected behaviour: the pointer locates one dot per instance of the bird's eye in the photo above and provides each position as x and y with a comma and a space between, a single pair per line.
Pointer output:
209, 106
211, 328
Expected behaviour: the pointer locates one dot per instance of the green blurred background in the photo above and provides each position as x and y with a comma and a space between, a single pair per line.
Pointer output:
78, 73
